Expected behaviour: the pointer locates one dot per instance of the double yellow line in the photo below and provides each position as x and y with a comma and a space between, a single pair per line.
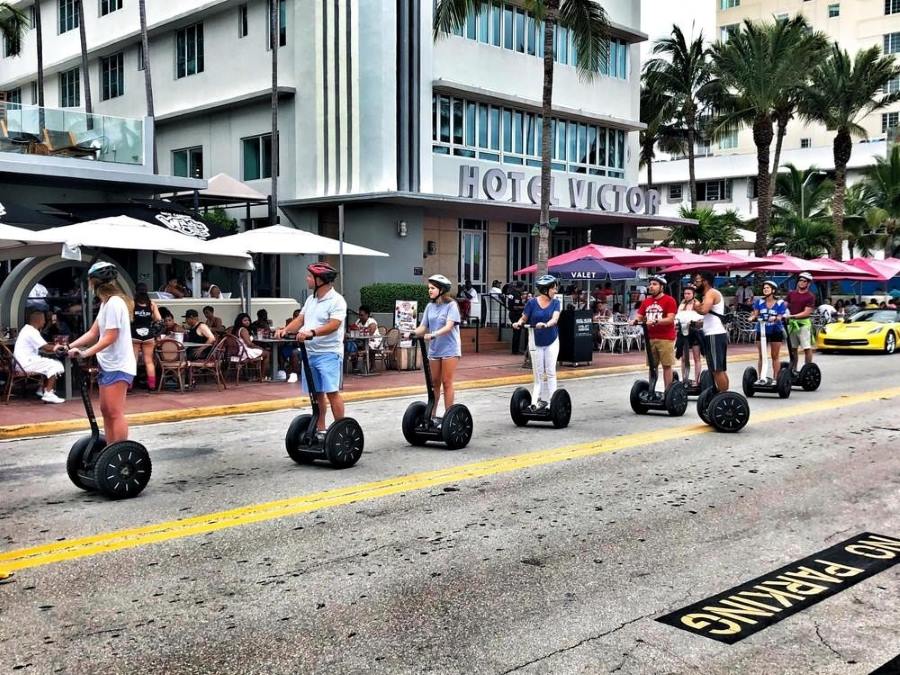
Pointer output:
255, 513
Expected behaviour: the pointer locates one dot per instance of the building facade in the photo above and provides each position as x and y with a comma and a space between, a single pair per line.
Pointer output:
726, 169
425, 148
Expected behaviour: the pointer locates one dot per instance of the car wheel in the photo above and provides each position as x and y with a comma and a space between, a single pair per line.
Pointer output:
890, 343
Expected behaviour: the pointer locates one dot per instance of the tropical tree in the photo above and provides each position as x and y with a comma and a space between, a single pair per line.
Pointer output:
148, 78
85, 72
882, 188
755, 70
798, 193
842, 91
39, 46
801, 237
681, 70
588, 23
274, 39
13, 24
656, 134
712, 231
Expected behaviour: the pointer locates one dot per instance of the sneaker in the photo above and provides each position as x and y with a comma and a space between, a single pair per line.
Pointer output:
292, 378
541, 404
39, 393
436, 422
320, 436
50, 397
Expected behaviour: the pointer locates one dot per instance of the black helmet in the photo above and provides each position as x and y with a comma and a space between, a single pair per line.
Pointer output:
440, 282
323, 271
103, 271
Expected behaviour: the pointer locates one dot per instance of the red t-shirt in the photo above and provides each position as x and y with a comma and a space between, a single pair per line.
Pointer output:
656, 309
797, 301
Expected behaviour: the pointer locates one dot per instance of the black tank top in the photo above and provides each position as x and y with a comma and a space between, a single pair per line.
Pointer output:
140, 325
193, 336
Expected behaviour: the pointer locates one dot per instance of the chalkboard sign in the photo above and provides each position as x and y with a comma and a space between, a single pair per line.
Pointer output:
576, 341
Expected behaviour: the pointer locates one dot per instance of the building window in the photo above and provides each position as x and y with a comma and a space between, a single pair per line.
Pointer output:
70, 88
892, 86
498, 134
892, 6
729, 31
188, 162
112, 76
256, 156
14, 97
729, 4
243, 28
782, 17
109, 6
805, 143
676, 192
189, 51
67, 15
11, 46
892, 43
282, 23
889, 121
729, 142
752, 188
834, 10
34, 93
714, 190
140, 56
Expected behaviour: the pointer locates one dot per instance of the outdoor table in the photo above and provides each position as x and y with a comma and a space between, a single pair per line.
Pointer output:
364, 343
272, 344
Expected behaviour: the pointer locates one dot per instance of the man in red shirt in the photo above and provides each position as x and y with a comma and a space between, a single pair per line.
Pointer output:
801, 304
658, 311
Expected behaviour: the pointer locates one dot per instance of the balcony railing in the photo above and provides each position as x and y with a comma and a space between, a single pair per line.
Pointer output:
62, 132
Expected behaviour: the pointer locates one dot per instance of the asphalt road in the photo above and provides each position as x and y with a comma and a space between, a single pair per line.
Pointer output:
531, 551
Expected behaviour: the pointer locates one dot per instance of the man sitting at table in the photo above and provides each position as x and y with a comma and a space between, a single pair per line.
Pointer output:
197, 331
368, 326
28, 349
262, 322
215, 323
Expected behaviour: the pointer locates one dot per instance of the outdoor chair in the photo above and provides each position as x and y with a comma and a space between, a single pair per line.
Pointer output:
609, 336
172, 362
237, 358
388, 352
211, 363
13, 373
746, 331
65, 144
634, 335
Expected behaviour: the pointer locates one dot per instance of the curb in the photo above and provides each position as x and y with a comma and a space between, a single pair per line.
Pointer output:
15, 431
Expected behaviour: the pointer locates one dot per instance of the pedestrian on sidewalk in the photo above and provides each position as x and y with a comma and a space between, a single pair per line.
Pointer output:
321, 324
542, 313
110, 340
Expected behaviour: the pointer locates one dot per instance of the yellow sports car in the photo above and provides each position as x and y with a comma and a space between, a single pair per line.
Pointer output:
870, 329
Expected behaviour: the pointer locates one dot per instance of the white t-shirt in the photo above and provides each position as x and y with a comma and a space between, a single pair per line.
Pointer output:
27, 345
316, 313
120, 354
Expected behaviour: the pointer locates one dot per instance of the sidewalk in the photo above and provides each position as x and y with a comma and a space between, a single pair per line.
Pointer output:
23, 417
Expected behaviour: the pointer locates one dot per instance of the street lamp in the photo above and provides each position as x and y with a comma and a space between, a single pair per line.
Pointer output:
803, 192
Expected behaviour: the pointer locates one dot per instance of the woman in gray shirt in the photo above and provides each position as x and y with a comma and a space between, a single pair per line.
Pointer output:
440, 328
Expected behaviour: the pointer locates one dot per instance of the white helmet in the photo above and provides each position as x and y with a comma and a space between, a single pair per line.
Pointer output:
442, 283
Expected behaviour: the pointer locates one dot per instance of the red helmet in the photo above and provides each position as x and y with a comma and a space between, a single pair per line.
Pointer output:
323, 271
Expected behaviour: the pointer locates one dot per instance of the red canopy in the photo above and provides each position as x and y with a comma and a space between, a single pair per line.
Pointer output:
677, 256
822, 269
882, 269
719, 261
622, 256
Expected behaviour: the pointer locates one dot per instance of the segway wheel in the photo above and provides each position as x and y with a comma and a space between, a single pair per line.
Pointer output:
784, 383
729, 412
123, 470
457, 427
810, 377
293, 440
560, 408
706, 380
639, 392
520, 400
703, 404
676, 399
413, 418
344, 443
75, 460
750, 378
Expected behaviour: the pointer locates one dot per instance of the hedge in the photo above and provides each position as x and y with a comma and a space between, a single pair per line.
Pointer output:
381, 297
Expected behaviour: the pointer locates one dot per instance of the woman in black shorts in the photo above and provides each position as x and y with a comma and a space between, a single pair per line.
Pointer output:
688, 346
143, 336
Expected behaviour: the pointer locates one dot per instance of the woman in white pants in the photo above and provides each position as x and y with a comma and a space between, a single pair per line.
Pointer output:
542, 314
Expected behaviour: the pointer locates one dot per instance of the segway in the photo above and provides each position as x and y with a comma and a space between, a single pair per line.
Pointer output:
685, 321
809, 377
764, 383
420, 426
725, 411
558, 412
644, 396
342, 443
119, 470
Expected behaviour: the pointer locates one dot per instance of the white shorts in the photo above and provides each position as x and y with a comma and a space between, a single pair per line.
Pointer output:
801, 338
45, 367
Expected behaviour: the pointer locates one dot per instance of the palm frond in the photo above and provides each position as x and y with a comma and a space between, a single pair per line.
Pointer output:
589, 24
451, 15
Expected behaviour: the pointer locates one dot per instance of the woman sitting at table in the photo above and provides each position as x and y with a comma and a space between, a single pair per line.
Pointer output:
170, 326
241, 330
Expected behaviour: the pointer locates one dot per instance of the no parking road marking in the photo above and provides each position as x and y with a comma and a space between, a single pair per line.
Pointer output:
149, 534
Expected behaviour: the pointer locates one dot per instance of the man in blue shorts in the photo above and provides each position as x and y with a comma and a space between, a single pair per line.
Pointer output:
321, 322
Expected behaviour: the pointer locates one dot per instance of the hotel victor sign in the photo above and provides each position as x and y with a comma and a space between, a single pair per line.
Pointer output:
581, 193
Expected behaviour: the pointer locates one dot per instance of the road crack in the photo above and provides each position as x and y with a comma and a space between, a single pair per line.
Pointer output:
578, 644
832, 649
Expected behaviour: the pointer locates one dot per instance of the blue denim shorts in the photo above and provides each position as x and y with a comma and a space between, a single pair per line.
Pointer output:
326, 370
104, 379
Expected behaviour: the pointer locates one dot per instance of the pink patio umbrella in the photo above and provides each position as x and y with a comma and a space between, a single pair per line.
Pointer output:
882, 269
622, 256
677, 256
821, 269
718, 261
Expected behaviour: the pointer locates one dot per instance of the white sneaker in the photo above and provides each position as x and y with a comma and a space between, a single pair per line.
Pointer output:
51, 397
292, 378
39, 393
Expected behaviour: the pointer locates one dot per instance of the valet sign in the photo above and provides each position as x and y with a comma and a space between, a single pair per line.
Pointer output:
498, 185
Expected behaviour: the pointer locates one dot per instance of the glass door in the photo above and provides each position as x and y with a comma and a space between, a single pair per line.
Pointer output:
472, 254
519, 254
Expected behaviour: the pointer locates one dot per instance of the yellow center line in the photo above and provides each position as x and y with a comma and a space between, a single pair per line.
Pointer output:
112, 541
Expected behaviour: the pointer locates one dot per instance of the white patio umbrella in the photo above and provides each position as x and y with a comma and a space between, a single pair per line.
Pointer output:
19, 242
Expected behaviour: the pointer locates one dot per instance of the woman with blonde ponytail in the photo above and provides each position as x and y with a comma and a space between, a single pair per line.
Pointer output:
110, 340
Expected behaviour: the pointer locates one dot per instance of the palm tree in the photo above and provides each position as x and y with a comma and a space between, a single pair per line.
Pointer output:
39, 45
589, 25
657, 133
683, 74
85, 73
148, 78
882, 189
712, 232
13, 24
274, 37
840, 94
797, 194
801, 237
756, 70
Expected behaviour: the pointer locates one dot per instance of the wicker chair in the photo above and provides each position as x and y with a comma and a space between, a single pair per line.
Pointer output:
211, 363
388, 352
236, 357
14, 372
172, 361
